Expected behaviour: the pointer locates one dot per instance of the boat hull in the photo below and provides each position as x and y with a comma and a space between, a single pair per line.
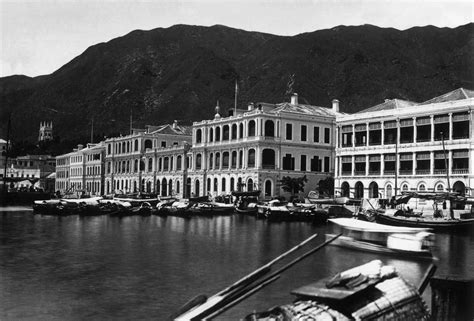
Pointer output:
352, 243
437, 224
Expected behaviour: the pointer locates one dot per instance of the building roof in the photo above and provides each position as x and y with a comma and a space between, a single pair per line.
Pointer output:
303, 109
389, 104
172, 130
458, 94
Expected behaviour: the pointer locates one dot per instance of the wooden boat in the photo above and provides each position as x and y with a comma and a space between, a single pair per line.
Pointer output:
246, 202
384, 239
274, 210
432, 215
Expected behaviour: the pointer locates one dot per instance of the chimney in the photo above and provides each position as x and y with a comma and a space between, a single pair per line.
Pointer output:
250, 107
175, 124
80, 146
335, 105
294, 99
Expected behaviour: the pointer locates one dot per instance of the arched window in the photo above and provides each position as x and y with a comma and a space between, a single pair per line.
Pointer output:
250, 185
251, 158
211, 134
268, 159
218, 160
233, 133
373, 190
225, 132
268, 188
198, 161
218, 134
440, 188
389, 191
148, 187
225, 160
232, 183
208, 184
109, 149
119, 148
158, 187
150, 164
148, 144
269, 128
421, 187
198, 136
164, 185
233, 162
251, 132
215, 185
223, 184
211, 161
197, 188
166, 163
177, 186
170, 187
345, 189
128, 147
241, 130
405, 187
179, 161
171, 163
136, 145
359, 190
241, 159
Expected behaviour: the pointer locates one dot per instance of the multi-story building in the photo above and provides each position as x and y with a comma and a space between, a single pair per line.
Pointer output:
63, 183
94, 168
406, 146
3, 156
253, 149
149, 160
31, 171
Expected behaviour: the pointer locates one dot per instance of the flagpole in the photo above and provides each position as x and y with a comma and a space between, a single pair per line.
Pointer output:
235, 102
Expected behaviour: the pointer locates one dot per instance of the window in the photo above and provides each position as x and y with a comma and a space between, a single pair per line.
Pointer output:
251, 128
198, 136
303, 133
326, 164
327, 136
163, 144
288, 162
289, 131
303, 163
316, 134
315, 164
251, 158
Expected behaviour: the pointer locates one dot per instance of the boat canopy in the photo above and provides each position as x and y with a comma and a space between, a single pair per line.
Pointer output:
434, 196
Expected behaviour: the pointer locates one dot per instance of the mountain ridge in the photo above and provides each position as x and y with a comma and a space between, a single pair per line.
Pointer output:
180, 72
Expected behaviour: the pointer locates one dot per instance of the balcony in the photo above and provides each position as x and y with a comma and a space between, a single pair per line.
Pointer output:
359, 173
423, 172
346, 173
374, 172
389, 172
406, 172
460, 171
268, 166
439, 171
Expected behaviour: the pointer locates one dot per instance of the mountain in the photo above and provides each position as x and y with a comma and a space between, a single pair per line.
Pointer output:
180, 72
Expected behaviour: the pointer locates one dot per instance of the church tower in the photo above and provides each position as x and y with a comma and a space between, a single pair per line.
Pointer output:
45, 131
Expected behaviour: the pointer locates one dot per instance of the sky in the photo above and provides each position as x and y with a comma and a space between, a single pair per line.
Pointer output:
39, 36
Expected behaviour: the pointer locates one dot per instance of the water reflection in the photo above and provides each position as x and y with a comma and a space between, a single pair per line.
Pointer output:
74, 268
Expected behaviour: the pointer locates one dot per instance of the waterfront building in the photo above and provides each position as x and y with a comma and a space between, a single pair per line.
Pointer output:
148, 160
94, 156
30, 171
253, 149
62, 183
3, 156
402, 145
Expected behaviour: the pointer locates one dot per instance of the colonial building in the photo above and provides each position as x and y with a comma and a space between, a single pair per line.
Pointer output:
94, 156
406, 146
148, 160
253, 149
34, 169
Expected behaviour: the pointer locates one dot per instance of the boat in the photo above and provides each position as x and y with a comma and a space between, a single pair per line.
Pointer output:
274, 210
371, 291
304, 212
384, 239
144, 209
163, 206
211, 208
429, 210
137, 199
246, 202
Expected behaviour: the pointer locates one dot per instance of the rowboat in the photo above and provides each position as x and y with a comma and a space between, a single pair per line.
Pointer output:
246, 202
384, 239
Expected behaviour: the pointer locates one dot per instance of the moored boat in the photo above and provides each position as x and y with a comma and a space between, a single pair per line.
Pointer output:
246, 202
429, 210
384, 239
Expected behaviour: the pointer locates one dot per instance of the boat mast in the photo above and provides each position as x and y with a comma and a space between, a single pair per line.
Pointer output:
396, 160
451, 210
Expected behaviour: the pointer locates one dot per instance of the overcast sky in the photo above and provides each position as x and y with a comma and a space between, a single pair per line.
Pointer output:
39, 36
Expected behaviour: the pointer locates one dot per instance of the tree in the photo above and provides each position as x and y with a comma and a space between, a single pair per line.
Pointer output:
293, 185
326, 186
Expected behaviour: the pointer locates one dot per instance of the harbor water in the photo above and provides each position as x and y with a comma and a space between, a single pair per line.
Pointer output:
145, 268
